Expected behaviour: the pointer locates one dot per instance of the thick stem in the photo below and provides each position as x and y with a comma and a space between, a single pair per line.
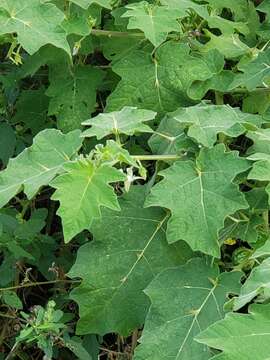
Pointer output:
219, 98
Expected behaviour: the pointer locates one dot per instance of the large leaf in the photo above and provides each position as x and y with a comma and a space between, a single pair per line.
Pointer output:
155, 21
160, 84
35, 22
82, 190
258, 283
241, 336
73, 94
205, 121
190, 189
39, 164
127, 121
128, 250
184, 301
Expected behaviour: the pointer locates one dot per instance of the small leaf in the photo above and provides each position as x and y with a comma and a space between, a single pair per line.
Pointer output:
11, 299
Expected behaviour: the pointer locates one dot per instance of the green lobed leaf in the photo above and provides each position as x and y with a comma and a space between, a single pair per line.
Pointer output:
82, 190
160, 84
155, 21
184, 301
128, 250
240, 336
128, 121
190, 189
35, 22
205, 121
37, 165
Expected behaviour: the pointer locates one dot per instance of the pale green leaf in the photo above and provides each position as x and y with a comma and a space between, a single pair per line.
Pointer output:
240, 336
36, 24
190, 189
82, 190
128, 250
128, 121
184, 301
258, 283
155, 21
205, 121
37, 165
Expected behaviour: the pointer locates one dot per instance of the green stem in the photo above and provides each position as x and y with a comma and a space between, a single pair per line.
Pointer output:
219, 98
39, 284
266, 220
98, 32
156, 157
